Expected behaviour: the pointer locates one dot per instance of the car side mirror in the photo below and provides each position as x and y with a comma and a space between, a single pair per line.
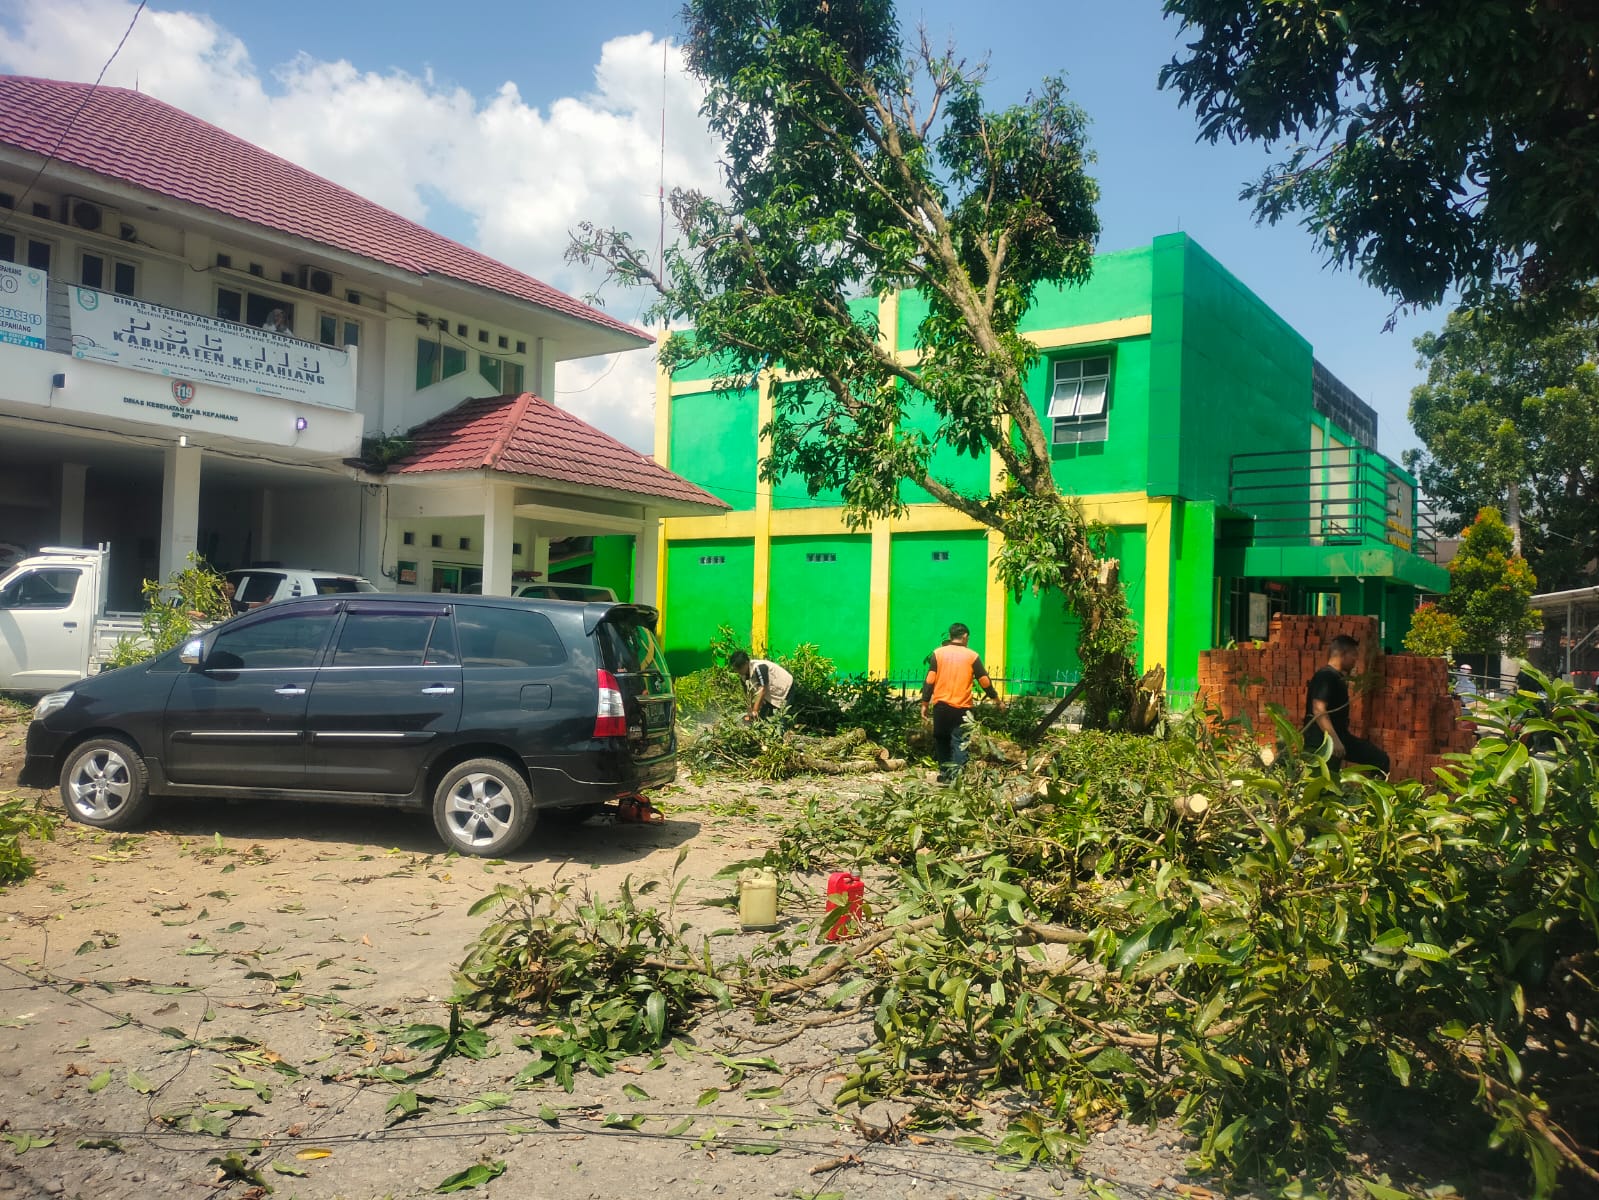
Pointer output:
193, 650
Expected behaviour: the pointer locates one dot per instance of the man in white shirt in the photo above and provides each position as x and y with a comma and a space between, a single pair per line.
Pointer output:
769, 684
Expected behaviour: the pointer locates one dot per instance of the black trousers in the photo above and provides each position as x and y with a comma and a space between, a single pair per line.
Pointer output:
1356, 750
949, 735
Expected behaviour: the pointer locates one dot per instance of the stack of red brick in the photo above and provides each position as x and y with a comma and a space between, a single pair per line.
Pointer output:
1399, 701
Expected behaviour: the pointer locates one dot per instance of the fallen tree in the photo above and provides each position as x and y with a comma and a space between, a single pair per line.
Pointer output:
1271, 953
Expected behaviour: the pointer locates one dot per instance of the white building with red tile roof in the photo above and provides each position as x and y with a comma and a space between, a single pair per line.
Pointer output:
197, 335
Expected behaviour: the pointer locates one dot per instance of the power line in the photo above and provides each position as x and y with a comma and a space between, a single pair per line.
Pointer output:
67, 128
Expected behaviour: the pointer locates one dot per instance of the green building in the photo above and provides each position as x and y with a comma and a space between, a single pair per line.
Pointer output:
1239, 477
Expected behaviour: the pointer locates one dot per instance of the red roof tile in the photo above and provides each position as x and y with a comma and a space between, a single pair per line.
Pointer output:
138, 140
528, 436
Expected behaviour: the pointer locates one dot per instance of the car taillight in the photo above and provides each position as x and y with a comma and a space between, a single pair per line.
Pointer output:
609, 718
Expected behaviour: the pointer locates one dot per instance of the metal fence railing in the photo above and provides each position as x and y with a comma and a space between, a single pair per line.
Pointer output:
1334, 495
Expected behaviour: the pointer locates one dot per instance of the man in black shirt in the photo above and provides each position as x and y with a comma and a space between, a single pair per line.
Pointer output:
1327, 710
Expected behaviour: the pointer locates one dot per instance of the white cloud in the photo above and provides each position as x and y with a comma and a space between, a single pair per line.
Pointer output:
523, 175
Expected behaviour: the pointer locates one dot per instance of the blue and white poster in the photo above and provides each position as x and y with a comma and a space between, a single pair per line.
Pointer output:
22, 305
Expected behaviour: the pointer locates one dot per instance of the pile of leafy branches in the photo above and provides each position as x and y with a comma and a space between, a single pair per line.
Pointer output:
611, 978
773, 749
1304, 954
19, 819
1312, 950
821, 704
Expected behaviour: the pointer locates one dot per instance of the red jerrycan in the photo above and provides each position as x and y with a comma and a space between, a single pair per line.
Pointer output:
846, 892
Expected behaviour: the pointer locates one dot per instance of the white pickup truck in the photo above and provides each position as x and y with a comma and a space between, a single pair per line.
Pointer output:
53, 624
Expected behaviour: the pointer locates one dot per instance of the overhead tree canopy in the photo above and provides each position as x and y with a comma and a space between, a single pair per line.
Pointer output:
1510, 419
1429, 146
857, 166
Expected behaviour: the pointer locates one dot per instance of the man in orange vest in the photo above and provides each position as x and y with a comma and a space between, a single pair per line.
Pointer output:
952, 671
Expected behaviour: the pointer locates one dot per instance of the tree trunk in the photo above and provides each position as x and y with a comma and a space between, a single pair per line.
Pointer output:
1513, 514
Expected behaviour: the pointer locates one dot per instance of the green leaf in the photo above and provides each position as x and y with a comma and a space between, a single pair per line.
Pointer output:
100, 1081
1538, 793
756, 1147
655, 1015
499, 895
23, 1142
633, 1092
1514, 761
1427, 952
487, 1102
1400, 1066
1512, 1063
406, 1104
708, 1096
1378, 1191
1391, 942
139, 1083
288, 1168
474, 1176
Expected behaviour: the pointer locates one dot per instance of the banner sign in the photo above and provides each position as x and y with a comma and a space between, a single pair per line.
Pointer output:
125, 332
22, 304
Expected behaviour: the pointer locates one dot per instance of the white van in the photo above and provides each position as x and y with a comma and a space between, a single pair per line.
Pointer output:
255, 586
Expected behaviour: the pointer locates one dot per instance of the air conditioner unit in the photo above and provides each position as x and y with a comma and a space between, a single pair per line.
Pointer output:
86, 214
315, 279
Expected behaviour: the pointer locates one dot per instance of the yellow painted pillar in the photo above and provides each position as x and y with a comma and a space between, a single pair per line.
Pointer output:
997, 609
1157, 579
996, 614
663, 455
760, 609
877, 612
881, 569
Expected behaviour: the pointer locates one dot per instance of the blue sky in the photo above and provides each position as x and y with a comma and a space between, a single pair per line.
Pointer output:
1154, 177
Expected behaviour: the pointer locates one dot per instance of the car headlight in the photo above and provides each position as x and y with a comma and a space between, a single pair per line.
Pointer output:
51, 703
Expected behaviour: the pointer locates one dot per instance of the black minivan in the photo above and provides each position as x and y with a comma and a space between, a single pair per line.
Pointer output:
490, 710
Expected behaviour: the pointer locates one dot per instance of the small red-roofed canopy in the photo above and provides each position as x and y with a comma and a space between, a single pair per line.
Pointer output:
527, 440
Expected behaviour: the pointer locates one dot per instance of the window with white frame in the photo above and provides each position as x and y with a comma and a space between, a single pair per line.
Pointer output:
334, 330
26, 251
504, 376
1079, 401
97, 271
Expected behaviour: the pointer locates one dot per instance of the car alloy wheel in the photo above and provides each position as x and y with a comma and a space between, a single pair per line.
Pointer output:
483, 807
103, 784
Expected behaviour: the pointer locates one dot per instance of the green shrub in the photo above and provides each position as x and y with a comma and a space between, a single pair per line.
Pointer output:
189, 600
708, 693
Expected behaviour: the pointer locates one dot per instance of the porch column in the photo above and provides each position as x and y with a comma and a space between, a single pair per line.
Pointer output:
647, 559
499, 532
261, 526
540, 562
73, 476
374, 520
180, 508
